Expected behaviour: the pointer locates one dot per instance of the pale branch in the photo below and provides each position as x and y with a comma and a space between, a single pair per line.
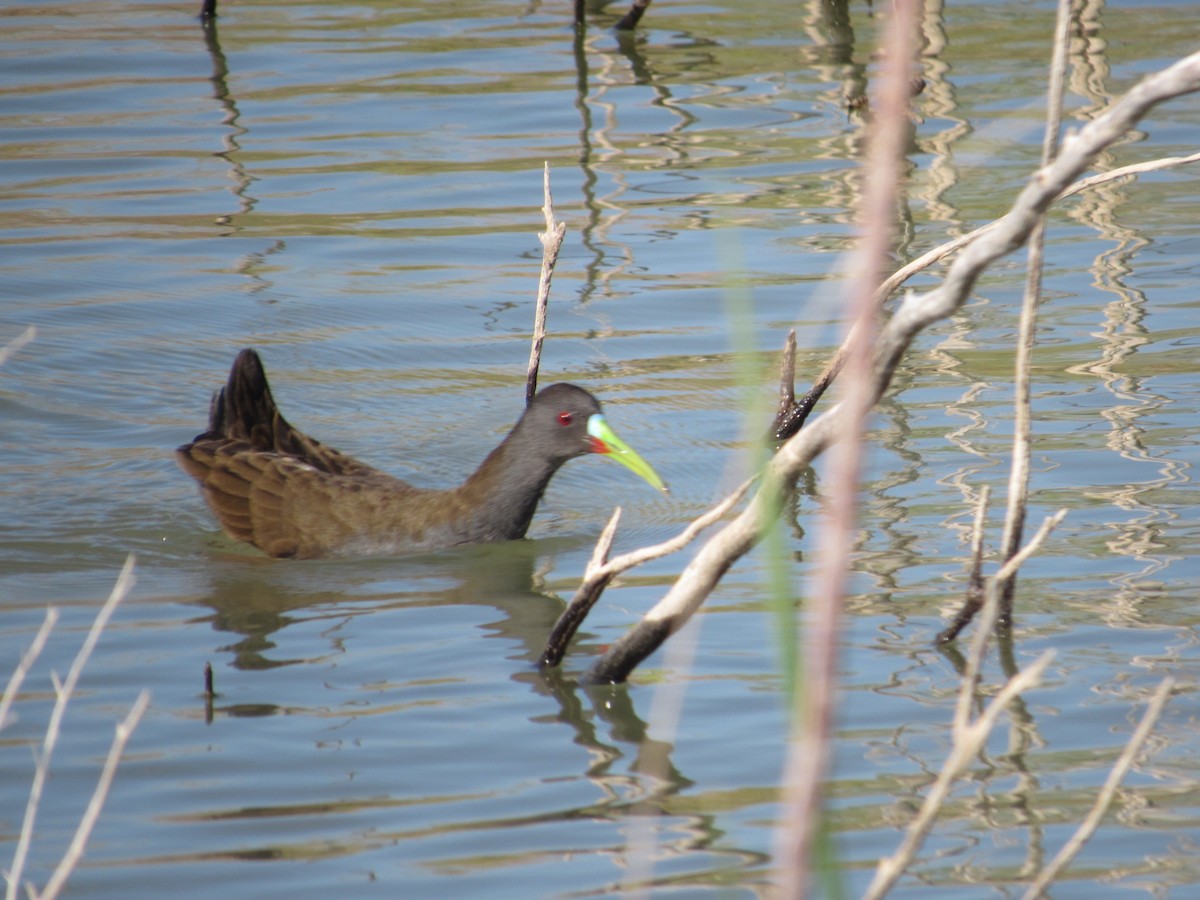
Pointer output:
25, 663
1115, 776
63, 692
967, 744
601, 571
913, 315
940, 252
13, 346
70, 860
1018, 483
967, 737
552, 239
991, 610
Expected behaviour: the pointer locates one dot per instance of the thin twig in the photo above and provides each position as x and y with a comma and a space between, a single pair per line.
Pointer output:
600, 571
74, 852
552, 239
1088, 827
25, 663
915, 313
893, 282
53, 727
967, 744
1018, 482
630, 20
967, 737
17, 343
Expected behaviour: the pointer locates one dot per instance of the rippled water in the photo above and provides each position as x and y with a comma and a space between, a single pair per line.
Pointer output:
354, 189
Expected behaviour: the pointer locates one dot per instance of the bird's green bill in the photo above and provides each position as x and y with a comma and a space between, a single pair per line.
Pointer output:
605, 440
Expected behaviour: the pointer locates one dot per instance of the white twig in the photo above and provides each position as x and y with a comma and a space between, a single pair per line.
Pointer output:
25, 663
967, 737
17, 343
1081, 836
552, 239
53, 727
1018, 482
914, 314
75, 851
967, 744
940, 252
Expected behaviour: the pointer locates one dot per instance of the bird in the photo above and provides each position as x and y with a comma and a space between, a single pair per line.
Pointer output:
291, 496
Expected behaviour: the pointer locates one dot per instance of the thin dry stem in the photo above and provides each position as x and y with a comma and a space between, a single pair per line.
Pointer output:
893, 282
600, 571
914, 314
967, 744
64, 690
17, 343
1119, 770
66, 865
552, 239
973, 600
25, 663
1018, 484
968, 737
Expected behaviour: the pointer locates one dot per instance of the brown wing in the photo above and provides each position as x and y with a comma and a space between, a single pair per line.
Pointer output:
269, 484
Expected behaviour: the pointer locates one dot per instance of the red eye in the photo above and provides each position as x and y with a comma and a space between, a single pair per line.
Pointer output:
565, 418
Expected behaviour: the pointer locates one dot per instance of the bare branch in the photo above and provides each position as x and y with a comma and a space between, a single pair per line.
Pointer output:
1086, 828
1018, 483
53, 727
25, 663
75, 851
17, 343
914, 313
974, 597
600, 571
967, 744
552, 239
937, 254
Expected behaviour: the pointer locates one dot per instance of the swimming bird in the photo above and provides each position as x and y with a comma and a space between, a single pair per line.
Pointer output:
291, 496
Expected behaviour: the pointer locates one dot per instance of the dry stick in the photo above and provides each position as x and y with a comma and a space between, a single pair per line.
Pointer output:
74, 852
970, 675
812, 719
1018, 481
914, 314
937, 254
25, 663
1064, 856
792, 413
552, 239
974, 596
600, 571
968, 737
631, 18
17, 343
53, 727
965, 748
